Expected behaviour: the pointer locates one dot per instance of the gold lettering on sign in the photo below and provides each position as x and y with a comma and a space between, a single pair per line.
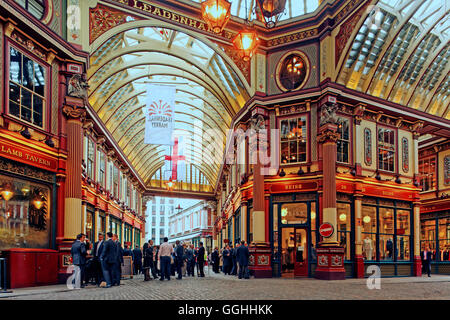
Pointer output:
293, 187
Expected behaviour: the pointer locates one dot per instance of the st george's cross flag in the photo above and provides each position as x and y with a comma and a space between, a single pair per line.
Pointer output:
159, 114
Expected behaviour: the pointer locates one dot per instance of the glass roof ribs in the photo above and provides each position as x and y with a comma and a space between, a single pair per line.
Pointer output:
400, 53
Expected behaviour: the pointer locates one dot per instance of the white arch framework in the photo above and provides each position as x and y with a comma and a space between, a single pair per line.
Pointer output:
210, 90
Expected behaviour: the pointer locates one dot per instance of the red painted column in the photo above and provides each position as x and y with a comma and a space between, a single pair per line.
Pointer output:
330, 256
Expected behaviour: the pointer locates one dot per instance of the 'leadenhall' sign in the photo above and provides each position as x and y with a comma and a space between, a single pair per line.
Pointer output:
159, 114
172, 16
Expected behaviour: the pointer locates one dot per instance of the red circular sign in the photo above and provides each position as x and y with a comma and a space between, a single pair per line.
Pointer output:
326, 230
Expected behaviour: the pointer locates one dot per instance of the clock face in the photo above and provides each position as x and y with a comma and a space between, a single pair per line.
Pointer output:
292, 71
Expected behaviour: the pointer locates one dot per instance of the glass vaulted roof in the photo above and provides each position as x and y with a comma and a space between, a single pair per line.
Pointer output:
401, 53
208, 94
294, 8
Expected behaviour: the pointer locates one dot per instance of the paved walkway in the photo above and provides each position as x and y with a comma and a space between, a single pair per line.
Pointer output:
221, 287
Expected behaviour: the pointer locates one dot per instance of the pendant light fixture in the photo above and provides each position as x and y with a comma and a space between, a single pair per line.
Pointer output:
246, 40
270, 11
216, 14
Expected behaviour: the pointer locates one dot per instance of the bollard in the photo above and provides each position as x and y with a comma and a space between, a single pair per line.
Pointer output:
3, 277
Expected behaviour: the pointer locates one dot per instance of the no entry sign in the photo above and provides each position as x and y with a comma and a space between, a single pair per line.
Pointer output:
326, 230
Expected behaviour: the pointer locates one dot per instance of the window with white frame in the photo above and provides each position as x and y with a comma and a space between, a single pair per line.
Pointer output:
101, 168
294, 140
386, 149
27, 87
343, 144
90, 158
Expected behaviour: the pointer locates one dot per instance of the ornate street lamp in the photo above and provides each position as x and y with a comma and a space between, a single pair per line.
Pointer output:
271, 11
246, 42
216, 14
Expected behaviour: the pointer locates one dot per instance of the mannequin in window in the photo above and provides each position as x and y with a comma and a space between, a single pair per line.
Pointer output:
389, 248
368, 248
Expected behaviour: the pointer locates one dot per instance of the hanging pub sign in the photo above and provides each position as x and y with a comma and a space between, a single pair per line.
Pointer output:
159, 114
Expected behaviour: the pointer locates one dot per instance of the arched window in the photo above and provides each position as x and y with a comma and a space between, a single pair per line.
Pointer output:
35, 7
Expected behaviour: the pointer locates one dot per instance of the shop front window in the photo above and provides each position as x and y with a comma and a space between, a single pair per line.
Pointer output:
26, 88
294, 140
369, 231
403, 235
90, 226
386, 249
24, 214
428, 236
313, 232
294, 213
344, 227
444, 239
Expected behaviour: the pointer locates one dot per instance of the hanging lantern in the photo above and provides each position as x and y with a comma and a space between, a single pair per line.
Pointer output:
38, 202
271, 11
7, 192
216, 14
246, 42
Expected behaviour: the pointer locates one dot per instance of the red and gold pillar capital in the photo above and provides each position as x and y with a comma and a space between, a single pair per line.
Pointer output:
75, 112
330, 256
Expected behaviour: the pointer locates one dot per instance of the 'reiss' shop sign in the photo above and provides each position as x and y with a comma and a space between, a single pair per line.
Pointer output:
34, 159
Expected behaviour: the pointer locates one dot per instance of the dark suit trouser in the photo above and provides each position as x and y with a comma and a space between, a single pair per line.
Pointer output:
98, 270
116, 273
243, 271
165, 267
200, 267
190, 267
107, 272
137, 266
234, 269
427, 266
179, 263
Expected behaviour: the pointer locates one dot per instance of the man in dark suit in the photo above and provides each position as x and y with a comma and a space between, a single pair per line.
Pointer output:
127, 252
117, 272
201, 259
96, 253
179, 252
426, 260
108, 259
190, 260
79, 252
137, 260
215, 260
233, 261
242, 255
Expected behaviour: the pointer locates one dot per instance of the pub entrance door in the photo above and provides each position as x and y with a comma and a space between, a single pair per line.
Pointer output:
294, 252
301, 252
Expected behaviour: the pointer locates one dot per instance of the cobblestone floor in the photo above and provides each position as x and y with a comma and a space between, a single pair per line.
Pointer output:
223, 287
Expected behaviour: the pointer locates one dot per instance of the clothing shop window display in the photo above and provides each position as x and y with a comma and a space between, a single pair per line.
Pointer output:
403, 235
386, 230
444, 238
344, 227
428, 234
369, 230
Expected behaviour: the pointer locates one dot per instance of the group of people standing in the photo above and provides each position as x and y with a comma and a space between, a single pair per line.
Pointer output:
106, 262
233, 261
153, 261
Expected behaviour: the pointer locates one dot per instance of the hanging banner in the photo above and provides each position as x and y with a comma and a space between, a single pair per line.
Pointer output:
159, 114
